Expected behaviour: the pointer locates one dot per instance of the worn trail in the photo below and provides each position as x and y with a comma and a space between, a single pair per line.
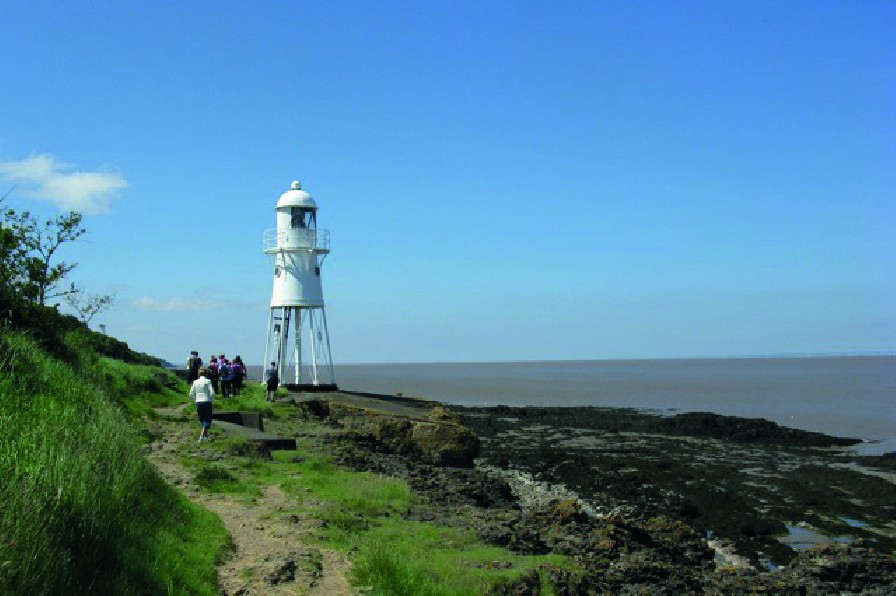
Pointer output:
269, 554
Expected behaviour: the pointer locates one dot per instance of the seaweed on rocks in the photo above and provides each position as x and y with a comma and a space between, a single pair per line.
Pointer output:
745, 430
638, 501
885, 462
744, 480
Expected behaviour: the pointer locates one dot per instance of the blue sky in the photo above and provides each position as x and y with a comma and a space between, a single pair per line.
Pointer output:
502, 181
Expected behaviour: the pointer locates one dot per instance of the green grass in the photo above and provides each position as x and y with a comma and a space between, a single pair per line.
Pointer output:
386, 572
218, 479
81, 510
363, 513
424, 558
140, 388
360, 492
252, 399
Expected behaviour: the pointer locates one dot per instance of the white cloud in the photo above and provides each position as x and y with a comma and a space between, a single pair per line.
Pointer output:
175, 304
46, 179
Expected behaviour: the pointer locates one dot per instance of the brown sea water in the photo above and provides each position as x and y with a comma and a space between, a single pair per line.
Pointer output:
852, 396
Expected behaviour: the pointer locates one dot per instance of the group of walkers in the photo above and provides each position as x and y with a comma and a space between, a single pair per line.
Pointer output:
226, 376
220, 375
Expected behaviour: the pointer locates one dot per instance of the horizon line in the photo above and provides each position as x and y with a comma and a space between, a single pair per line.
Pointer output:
773, 356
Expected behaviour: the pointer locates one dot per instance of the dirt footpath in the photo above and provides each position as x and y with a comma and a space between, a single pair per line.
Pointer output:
270, 555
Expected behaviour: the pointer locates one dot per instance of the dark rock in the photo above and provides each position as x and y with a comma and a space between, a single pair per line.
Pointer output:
443, 414
308, 563
843, 568
835, 569
437, 443
395, 433
747, 430
316, 408
741, 480
568, 511
886, 462
254, 449
446, 444
679, 541
285, 572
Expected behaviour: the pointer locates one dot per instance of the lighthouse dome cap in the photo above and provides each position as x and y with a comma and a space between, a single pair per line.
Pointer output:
296, 197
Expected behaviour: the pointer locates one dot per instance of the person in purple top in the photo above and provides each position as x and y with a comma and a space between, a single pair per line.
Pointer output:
212, 372
239, 373
225, 373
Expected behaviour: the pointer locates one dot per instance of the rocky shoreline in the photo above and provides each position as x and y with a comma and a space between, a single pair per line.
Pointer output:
640, 502
747, 481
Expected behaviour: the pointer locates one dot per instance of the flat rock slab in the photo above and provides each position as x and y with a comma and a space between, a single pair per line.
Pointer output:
395, 405
249, 419
267, 440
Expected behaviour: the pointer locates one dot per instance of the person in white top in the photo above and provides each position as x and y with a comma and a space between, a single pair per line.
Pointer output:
203, 392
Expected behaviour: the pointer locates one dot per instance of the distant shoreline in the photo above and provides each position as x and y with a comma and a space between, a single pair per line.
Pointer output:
836, 395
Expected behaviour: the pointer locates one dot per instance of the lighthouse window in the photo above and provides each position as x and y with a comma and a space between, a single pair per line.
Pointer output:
298, 218
302, 217
317, 271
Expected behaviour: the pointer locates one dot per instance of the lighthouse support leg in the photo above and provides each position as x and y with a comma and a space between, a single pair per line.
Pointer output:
314, 347
267, 345
284, 341
323, 314
298, 352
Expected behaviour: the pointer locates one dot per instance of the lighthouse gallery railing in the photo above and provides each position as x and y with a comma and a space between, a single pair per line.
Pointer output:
296, 238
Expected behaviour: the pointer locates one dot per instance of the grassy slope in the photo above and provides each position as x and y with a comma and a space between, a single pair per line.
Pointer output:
82, 511
80, 508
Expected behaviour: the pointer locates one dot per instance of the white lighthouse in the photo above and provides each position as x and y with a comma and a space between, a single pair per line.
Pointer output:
297, 306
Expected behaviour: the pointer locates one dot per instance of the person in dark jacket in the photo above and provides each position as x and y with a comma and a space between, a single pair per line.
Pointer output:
194, 362
239, 374
225, 373
272, 379
211, 372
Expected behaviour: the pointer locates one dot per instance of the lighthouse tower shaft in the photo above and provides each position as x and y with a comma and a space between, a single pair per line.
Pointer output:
298, 340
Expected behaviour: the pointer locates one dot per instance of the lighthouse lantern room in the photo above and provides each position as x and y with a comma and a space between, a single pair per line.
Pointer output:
298, 249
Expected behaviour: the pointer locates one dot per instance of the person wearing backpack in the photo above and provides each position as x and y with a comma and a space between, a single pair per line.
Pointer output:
211, 372
193, 364
272, 378
239, 373
225, 373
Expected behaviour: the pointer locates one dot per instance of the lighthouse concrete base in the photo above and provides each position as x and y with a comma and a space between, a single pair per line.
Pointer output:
322, 388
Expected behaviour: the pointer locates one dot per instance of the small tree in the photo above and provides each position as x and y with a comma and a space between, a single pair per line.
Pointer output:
13, 251
28, 249
43, 241
87, 306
